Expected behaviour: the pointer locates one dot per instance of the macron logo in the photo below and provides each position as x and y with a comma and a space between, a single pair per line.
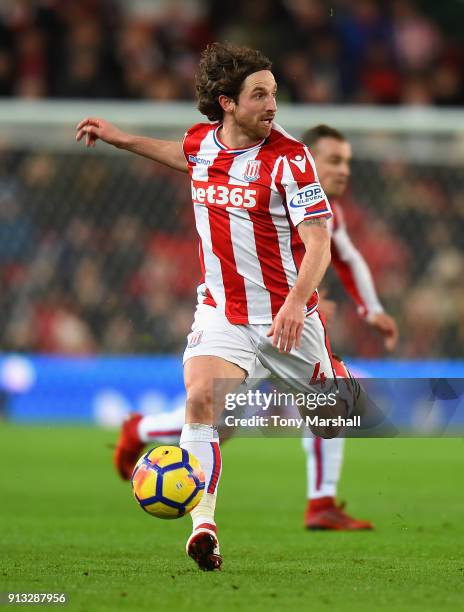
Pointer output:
300, 163
199, 160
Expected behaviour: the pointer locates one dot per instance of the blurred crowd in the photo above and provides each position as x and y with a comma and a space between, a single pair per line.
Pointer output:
98, 254
408, 221
95, 255
324, 51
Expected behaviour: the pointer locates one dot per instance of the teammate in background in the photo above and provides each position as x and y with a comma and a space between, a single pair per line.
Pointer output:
261, 216
324, 457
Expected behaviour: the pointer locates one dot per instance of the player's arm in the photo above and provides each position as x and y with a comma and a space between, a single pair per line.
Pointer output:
287, 326
166, 152
354, 273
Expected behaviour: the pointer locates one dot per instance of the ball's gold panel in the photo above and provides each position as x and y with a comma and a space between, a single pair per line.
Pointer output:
178, 485
165, 455
160, 510
194, 502
144, 482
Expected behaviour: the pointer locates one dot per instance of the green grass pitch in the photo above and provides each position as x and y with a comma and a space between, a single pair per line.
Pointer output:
68, 524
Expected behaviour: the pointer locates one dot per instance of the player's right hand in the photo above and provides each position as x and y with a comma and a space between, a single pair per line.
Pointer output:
94, 128
287, 326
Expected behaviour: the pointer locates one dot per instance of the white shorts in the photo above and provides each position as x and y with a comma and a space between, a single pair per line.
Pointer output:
249, 347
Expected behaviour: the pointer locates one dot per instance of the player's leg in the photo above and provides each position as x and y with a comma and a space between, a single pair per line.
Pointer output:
324, 460
164, 427
217, 359
139, 430
310, 370
351, 397
211, 332
207, 380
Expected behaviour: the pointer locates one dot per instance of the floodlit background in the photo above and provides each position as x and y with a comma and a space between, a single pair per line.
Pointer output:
98, 255
98, 268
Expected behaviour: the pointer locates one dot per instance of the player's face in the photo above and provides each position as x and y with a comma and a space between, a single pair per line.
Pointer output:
256, 105
332, 159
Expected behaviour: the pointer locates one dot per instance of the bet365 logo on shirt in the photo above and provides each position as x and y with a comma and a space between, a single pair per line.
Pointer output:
223, 195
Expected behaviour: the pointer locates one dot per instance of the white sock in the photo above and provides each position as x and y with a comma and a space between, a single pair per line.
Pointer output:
164, 427
324, 460
203, 442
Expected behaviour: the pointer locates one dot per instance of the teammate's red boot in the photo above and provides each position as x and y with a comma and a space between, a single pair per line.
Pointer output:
203, 547
323, 513
129, 447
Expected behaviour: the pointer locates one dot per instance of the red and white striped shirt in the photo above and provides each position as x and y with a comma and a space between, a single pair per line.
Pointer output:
351, 267
247, 205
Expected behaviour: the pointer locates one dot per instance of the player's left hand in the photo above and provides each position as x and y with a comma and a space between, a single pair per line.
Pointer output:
386, 325
287, 326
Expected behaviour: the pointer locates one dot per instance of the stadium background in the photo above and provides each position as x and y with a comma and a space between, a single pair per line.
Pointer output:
98, 254
98, 267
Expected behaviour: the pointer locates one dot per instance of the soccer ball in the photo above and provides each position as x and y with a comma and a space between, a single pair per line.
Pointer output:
168, 482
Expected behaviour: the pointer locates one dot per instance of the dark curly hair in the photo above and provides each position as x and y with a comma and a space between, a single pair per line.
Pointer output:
222, 70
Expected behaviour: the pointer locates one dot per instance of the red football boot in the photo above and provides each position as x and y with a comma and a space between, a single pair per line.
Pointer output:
203, 547
324, 514
129, 447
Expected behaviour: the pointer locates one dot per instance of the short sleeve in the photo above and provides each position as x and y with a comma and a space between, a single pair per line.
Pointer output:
304, 195
193, 138
190, 141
